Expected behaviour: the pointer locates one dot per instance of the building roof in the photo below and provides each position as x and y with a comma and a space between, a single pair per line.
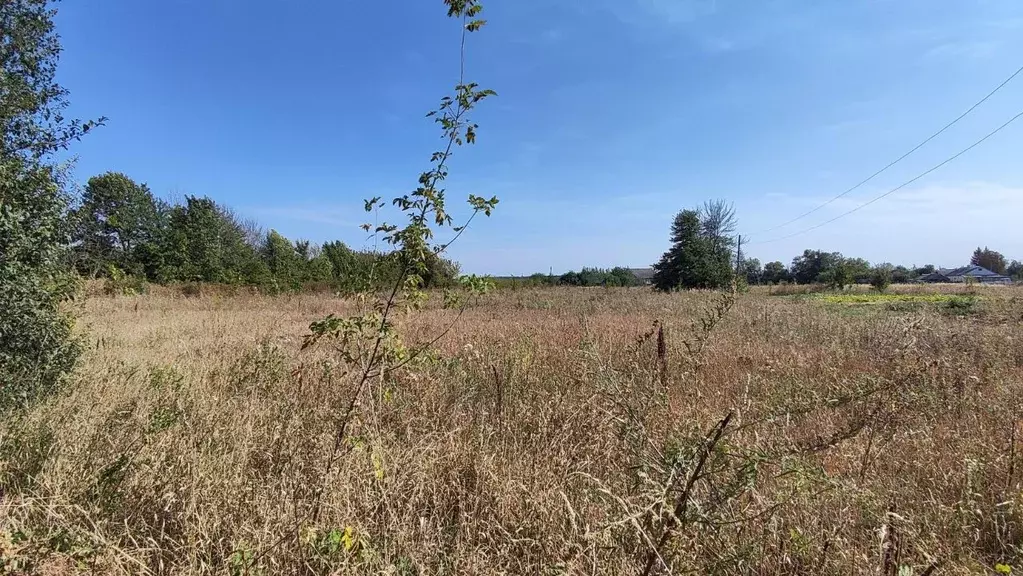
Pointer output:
979, 272
643, 273
974, 271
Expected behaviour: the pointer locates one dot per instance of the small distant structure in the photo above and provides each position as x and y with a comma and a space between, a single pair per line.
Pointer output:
644, 275
977, 274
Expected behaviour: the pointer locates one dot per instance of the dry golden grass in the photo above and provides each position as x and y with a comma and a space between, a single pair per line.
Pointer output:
545, 436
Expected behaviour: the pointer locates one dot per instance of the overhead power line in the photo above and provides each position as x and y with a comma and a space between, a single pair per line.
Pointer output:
900, 158
899, 187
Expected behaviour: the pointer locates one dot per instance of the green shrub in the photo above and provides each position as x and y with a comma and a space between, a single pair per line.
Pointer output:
838, 276
881, 278
960, 305
37, 346
119, 283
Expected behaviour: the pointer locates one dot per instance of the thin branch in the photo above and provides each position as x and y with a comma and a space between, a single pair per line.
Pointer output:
682, 504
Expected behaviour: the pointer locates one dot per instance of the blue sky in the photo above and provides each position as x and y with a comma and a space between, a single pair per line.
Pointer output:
612, 115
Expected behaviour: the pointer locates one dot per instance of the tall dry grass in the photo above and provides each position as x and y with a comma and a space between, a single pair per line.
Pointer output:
546, 435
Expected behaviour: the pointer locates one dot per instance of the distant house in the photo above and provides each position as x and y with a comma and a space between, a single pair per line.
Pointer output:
966, 273
644, 275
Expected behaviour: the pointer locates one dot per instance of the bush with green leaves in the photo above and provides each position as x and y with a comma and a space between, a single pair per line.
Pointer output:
37, 344
881, 278
120, 283
838, 275
615, 277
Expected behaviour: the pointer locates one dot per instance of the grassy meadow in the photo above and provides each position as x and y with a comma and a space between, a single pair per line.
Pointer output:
551, 431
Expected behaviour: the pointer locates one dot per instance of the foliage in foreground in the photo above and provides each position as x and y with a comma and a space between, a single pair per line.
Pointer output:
37, 348
36, 344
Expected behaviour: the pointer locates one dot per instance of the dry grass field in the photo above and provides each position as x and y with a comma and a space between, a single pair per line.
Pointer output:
551, 432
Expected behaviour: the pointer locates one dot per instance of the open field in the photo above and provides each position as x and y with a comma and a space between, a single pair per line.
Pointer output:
550, 433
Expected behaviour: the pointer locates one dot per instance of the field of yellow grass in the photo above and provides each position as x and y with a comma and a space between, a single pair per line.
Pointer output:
551, 431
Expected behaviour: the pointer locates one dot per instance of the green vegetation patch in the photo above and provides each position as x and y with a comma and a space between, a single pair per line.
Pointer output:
889, 298
949, 304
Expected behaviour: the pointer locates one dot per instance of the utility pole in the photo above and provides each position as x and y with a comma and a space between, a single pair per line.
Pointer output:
738, 255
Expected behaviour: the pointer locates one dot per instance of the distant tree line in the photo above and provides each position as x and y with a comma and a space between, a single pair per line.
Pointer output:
834, 269
705, 254
608, 277
617, 276
120, 228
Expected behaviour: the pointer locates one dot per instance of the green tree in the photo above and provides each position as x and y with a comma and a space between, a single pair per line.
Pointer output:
440, 272
990, 259
775, 273
718, 224
901, 275
1015, 270
570, 278
37, 346
195, 252
617, 276
881, 277
318, 269
304, 250
117, 223
205, 242
284, 262
860, 270
592, 277
752, 271
695, 260
354, 271
540, 279
839, 274
621, 276
811, 266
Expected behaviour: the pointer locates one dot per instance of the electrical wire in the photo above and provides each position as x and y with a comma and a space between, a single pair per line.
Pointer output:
900, 158
899, 187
